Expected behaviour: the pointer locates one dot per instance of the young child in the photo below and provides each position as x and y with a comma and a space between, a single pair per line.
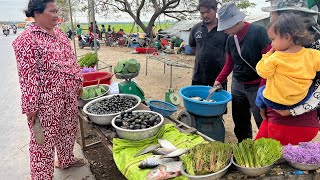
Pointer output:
288, 67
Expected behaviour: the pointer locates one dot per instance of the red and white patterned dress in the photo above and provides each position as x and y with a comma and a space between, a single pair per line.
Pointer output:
49, 79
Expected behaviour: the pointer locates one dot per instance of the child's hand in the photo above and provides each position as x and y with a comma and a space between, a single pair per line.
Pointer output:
271, 51
263, 114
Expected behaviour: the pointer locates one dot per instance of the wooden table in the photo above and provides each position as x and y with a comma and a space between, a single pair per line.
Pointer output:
279, 172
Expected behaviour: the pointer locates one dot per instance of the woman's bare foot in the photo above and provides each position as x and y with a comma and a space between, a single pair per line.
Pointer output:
78, 162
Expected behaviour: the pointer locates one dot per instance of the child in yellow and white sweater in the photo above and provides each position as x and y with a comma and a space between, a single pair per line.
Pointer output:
288, 67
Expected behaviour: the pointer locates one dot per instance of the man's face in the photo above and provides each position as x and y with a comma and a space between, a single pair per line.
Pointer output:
207, 15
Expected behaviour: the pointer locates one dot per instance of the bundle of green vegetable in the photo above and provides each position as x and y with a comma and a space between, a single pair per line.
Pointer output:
92, 92
127, 66
88, 60
259, 153
207, 158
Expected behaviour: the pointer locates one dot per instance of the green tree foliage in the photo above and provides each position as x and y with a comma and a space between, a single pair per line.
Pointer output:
241, 4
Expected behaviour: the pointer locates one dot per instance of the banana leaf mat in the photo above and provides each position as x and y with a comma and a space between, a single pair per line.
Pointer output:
124, 150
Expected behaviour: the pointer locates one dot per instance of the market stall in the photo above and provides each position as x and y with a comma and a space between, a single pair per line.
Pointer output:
145, 145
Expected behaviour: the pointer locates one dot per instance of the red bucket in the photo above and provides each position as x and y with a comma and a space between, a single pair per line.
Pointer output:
92, 78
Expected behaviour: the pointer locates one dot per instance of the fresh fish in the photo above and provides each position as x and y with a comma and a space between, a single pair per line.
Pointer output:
147, 149
166, 144
162, 151
196, 98
154, 161
176, 153
165, 171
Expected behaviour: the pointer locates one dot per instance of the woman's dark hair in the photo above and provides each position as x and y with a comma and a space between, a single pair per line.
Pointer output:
36, 6
292, 24
210, 4
78, 25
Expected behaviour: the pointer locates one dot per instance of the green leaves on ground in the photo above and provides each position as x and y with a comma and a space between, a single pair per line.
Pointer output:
259, 153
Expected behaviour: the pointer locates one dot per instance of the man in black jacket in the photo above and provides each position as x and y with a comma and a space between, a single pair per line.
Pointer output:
208, 44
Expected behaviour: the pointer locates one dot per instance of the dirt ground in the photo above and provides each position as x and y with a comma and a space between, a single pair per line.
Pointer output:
154, 85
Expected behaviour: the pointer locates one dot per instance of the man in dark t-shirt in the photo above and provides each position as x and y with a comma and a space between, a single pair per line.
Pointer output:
208, 44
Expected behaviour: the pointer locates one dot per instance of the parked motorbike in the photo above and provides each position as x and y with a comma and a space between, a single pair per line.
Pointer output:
6, 32
88, 41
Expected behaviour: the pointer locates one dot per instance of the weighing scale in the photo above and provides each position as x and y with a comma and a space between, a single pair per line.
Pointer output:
128, 86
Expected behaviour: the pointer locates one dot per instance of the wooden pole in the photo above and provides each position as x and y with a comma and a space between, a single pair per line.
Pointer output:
72, 29
94, 31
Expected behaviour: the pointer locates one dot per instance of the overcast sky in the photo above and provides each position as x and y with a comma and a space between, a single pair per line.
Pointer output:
12, 10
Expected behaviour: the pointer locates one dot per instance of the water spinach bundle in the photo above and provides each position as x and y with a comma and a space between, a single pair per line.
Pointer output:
207, 158
258, 153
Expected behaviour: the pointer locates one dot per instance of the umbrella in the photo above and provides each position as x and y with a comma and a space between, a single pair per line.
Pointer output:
29, 19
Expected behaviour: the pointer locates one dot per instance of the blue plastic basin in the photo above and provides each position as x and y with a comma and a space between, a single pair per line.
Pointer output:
202, 108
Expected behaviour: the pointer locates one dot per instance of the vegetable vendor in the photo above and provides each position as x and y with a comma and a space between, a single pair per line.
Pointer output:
50, 82
302, 121
253, 42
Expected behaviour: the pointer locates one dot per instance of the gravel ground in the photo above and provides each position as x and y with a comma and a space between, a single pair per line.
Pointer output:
156, 82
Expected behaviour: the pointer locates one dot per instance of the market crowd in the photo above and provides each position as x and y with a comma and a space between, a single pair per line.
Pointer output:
274, 75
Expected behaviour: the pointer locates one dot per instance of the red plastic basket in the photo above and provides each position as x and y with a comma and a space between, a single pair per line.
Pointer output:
146, 50
92, 78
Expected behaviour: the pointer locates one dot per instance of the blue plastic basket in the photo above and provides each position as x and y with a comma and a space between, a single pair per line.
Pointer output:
202, 108
162, 107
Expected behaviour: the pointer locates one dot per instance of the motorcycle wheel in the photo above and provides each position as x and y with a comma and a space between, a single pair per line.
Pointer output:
92, 45
80, 46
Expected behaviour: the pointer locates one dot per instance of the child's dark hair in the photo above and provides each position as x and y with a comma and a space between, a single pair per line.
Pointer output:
36, 6
78, 25
289, 23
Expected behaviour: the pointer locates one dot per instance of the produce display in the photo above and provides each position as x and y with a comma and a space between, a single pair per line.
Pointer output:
88, 60
207, 158
112, 105
92, 92
307, 153
139, 120
258, 153
127, 66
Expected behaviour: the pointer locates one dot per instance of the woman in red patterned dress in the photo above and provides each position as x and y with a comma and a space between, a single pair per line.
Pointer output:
50, 82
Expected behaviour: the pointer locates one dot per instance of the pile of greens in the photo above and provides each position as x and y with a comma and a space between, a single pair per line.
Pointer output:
127, 66
92, 92
207, 158
88, 60
258, 153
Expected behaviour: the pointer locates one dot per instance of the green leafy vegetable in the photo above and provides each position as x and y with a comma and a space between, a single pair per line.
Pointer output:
207, 158
259, 153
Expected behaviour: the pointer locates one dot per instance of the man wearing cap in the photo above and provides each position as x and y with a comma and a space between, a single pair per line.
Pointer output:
303, 125
253, 42
208, 45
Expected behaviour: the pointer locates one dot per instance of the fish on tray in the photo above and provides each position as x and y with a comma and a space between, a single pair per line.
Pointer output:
176, 153
162, 151
148, 149
154, 161
166, 144
165, 148
165, 171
